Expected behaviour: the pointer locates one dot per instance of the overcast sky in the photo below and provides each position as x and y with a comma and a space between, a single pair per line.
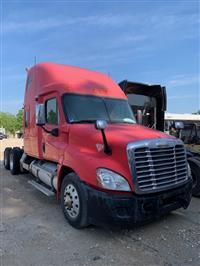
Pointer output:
143, 41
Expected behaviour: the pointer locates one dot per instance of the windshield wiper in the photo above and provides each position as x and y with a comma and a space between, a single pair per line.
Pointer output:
83, 121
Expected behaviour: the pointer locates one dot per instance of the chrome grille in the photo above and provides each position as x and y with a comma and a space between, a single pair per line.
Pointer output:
157, 164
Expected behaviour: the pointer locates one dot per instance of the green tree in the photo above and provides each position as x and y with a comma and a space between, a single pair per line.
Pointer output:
19, 120
10, 122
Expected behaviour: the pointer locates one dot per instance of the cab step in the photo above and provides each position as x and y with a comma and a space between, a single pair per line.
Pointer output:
42, 188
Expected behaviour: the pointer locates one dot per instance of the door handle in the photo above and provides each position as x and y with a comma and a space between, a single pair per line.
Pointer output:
43, 147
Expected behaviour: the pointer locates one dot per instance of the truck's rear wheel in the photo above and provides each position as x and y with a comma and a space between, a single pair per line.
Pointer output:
73, 201
6, 158
15, 156
195, 169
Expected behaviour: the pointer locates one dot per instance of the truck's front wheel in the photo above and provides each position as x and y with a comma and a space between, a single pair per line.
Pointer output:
73, 201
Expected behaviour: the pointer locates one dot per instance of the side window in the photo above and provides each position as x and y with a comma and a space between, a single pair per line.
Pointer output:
26, 118
28, 81
51, 112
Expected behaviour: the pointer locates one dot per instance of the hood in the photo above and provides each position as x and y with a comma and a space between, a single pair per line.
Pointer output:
119, 135
131, 133
86, 147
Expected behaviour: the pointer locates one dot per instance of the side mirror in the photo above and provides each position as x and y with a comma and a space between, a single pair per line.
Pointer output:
40, 114
179, 125
139, 117
101, 124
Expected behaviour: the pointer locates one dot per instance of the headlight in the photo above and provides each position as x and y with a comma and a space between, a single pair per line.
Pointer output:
111, 180
189, 170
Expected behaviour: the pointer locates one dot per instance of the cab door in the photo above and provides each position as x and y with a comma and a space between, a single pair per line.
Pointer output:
51, 144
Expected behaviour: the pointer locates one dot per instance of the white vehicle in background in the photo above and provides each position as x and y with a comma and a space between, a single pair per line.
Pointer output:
3, 133
182, 117
190, 133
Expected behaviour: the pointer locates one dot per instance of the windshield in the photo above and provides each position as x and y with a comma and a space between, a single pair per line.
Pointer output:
86, 109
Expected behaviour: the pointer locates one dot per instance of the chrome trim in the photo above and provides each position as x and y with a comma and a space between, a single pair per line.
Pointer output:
170, 167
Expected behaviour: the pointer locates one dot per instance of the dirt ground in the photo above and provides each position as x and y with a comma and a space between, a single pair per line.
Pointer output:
34, 232
194, 147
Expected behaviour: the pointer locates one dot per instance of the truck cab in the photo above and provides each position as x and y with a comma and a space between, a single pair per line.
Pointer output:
82, 143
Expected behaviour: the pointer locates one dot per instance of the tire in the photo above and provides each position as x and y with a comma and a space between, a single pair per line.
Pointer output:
74, 201
15, 156
6, 158
195, 169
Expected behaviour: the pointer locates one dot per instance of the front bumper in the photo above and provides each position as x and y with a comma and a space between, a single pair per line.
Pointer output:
116, 210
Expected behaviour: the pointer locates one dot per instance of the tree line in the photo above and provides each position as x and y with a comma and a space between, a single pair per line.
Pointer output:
10, 122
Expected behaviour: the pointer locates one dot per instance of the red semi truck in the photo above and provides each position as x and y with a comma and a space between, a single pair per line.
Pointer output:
82, 144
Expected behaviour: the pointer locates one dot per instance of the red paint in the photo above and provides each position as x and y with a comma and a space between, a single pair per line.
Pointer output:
75, 147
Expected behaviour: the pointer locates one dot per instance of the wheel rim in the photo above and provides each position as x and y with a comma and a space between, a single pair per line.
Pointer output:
11, 161
71, 201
